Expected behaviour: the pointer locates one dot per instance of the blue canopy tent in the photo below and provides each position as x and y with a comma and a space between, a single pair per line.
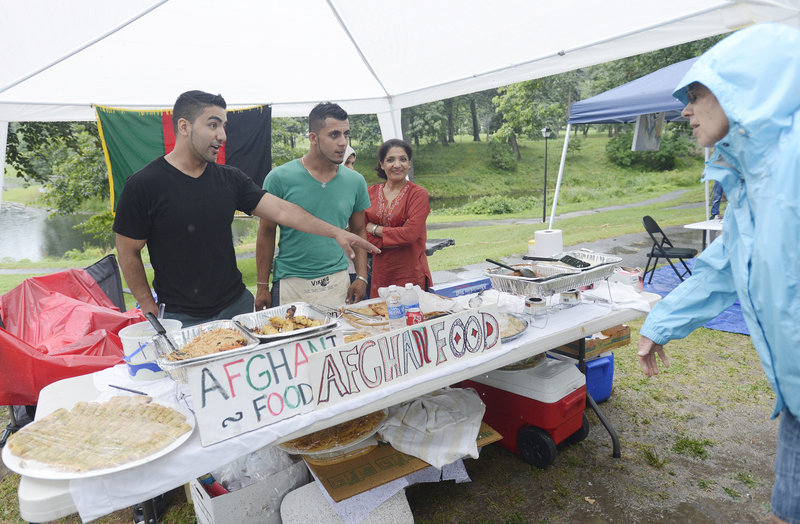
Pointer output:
651, 93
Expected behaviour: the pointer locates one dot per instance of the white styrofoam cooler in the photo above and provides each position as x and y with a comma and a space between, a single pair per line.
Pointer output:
258, 503
548, 382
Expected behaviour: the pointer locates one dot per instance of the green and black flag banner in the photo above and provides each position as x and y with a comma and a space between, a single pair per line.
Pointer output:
132, 138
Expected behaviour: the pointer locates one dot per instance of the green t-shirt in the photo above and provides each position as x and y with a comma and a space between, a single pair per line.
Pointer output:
311, 256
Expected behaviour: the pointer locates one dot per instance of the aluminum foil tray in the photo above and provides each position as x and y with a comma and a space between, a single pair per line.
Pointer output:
177, 369
563, 278
251, 321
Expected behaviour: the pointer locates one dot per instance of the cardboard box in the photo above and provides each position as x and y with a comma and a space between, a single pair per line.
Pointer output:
254, 504
383, 464
598, 343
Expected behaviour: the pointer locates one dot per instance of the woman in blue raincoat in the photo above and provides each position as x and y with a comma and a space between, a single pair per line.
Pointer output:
743, 98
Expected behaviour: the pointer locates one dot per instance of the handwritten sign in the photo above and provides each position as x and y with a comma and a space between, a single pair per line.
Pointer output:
363, 365
245, 392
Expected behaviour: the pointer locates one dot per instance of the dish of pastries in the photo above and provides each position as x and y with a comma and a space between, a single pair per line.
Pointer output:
336, 437
94, 437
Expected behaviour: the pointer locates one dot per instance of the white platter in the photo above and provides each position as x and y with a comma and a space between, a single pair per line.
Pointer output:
39, 470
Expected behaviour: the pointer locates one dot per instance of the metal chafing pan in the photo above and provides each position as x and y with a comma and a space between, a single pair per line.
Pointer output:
251, 321
176, 369
555, 277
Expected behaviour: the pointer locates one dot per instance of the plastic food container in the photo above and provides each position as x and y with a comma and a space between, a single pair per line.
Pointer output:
177, 369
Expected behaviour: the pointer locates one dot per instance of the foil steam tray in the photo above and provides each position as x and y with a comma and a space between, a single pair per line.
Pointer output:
555, 278
177, 369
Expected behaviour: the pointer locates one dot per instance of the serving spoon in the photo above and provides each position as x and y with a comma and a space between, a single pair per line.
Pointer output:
527, 273
159, 327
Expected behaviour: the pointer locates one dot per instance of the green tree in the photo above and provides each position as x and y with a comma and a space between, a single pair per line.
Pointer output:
65, 157
365, 130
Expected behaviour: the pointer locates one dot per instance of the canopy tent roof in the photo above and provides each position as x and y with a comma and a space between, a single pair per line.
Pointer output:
371, 57
648, 94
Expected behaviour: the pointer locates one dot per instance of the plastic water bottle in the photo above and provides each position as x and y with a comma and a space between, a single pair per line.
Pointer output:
409, 299
394, 304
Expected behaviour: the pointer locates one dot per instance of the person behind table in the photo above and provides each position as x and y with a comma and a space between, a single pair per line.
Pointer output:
350, 162
181, 206
308, 268
716, 200
743, 98
396, 221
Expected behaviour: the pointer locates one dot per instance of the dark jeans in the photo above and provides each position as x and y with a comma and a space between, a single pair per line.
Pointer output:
244, 304
716, 199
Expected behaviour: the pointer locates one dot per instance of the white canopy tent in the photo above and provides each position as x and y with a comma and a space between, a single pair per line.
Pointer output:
369, 56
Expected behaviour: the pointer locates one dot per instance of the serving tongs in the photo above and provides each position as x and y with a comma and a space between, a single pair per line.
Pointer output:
566, 259
159, 327
533, 278
326, 310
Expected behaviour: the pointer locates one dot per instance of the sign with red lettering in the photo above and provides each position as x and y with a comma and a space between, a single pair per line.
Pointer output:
245, 392
357, 367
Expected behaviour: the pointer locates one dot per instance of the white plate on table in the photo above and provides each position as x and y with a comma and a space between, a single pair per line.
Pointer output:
40, 470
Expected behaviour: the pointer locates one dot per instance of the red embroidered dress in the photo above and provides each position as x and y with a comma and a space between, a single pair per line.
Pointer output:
402, 245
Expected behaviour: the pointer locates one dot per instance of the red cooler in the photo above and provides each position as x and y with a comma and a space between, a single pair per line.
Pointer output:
535, 409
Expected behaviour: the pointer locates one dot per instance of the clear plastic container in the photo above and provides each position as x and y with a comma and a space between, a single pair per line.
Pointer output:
394, 303
409, 298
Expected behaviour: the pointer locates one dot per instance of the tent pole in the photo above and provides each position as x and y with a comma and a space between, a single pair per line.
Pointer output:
560, 174
707, 232
389, 122
3, 143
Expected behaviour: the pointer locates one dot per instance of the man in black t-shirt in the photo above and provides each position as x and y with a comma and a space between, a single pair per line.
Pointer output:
181, 206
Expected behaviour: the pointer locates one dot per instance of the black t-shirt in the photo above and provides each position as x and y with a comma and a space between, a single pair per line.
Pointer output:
187, 224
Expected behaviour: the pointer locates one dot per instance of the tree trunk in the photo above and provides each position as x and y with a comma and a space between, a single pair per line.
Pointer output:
585, 130
443, 139
512, 139
476, 129
405, 123
449, 105
291, 139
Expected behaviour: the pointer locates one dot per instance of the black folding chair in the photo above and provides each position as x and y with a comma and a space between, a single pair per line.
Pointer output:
663, 248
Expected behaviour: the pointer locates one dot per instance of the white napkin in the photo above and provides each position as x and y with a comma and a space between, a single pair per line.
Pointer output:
622, 296
439, 427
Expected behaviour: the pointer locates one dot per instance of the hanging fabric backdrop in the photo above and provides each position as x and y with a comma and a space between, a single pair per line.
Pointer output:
132, 138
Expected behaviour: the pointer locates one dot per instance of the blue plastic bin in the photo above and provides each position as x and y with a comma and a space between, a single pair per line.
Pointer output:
600, 377
599, 374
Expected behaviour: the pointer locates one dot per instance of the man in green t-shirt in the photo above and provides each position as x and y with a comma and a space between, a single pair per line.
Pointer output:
309, 268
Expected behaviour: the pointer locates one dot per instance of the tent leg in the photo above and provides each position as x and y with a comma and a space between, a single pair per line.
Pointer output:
560, 174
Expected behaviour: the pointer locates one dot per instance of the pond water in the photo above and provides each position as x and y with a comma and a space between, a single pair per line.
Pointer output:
29, 233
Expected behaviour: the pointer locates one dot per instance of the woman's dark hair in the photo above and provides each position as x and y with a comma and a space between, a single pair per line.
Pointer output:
384, 150
191, 104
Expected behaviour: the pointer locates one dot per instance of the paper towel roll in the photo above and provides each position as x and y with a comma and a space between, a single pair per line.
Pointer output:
548, 242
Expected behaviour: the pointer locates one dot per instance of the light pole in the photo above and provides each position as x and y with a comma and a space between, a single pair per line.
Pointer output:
546, 134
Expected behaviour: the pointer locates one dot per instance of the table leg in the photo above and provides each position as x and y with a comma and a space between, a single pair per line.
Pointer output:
149, 512
592, 404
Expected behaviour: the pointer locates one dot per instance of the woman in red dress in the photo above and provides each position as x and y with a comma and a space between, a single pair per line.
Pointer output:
396, 222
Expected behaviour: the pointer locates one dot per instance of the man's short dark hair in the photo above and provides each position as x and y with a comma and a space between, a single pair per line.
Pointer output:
323, 110
191, 104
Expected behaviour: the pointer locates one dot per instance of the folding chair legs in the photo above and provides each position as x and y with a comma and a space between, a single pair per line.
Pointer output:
12, 426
